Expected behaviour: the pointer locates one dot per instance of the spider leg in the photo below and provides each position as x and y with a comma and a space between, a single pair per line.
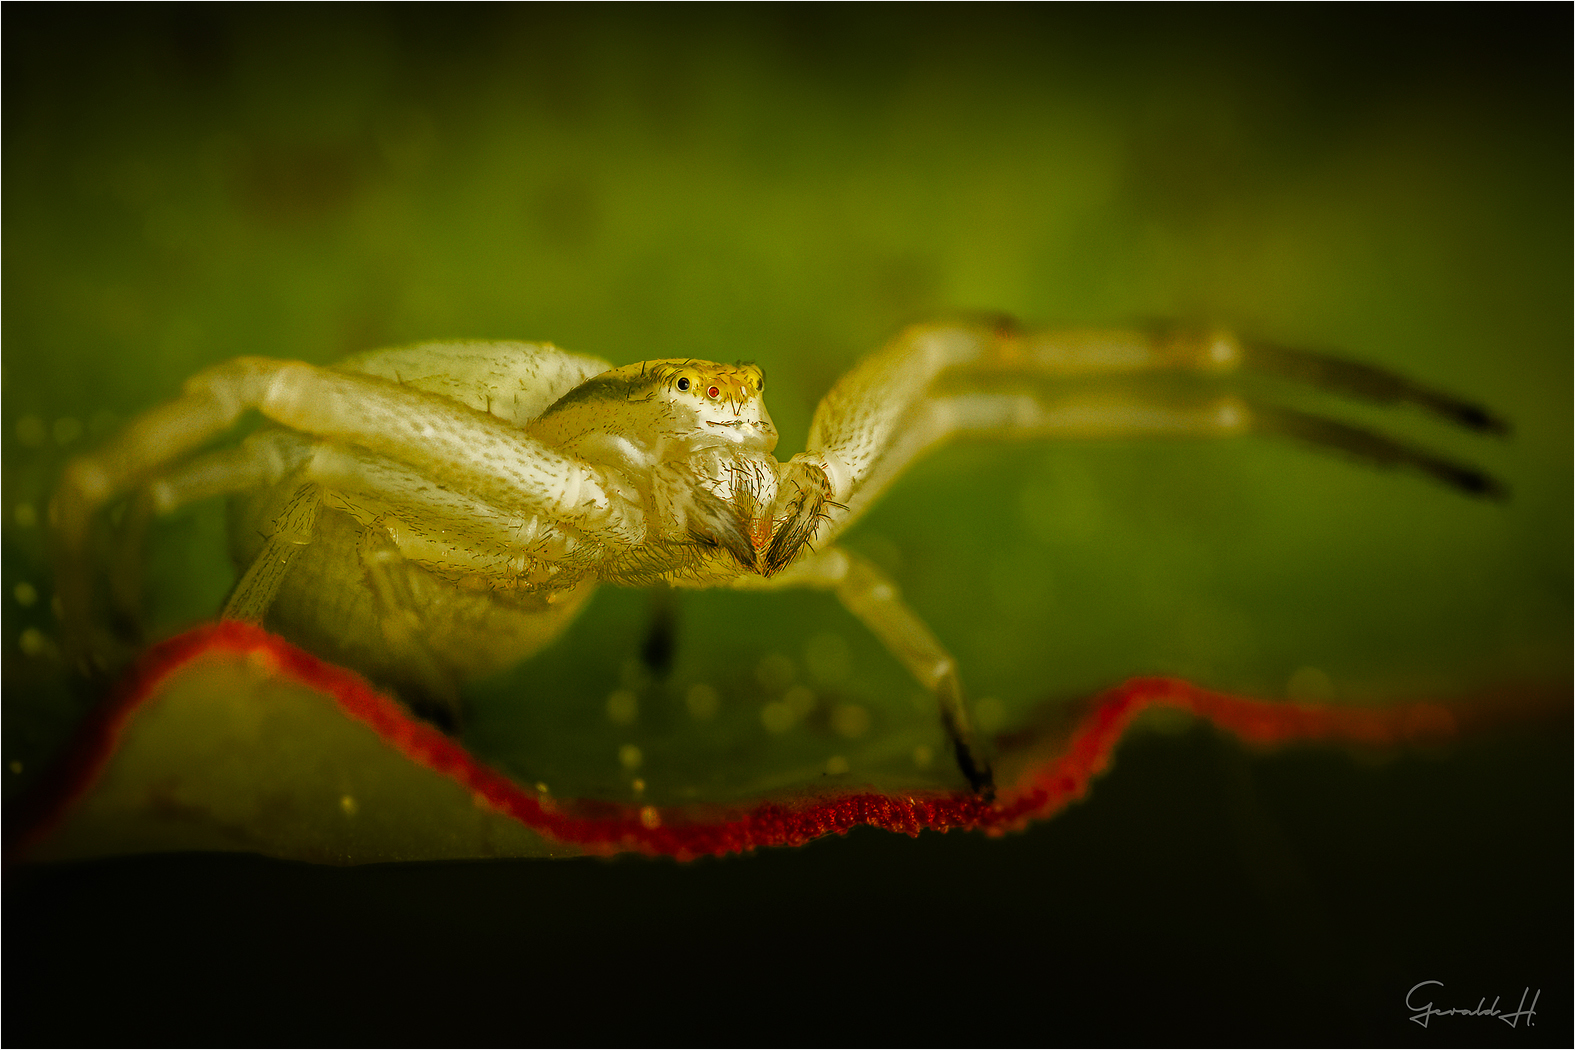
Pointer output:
1081, 415
936, 382
483, 455
442, 527
1128, 352
263, 459
874, 599
294, 528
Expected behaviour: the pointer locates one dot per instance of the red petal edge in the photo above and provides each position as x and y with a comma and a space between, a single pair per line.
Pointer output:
1041, 792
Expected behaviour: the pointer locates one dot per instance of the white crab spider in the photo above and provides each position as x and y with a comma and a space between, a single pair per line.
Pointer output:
439, 512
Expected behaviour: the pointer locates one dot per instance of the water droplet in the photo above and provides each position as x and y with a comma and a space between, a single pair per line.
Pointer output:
776, 672
630, 756
623, 707
35, 643
851, 720
828, 658
702, 701
777, 717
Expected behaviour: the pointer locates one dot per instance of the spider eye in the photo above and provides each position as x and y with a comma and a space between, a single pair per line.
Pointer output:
683, 382
712, 392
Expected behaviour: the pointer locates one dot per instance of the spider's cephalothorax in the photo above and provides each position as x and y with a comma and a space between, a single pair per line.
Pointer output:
693, 443
435, 513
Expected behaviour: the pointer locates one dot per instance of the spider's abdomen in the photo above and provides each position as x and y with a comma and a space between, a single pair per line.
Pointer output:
348, 601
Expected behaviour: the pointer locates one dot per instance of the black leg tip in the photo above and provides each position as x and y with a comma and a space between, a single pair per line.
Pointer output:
981, 778
1472, 482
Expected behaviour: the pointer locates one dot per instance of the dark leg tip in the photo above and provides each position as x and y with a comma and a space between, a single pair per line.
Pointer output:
981, 778
1470, 481
1478, 418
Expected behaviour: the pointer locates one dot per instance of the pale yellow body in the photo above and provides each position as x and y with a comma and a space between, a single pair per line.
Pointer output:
439, 512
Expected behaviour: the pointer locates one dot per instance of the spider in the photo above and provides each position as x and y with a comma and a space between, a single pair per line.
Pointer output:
435, 513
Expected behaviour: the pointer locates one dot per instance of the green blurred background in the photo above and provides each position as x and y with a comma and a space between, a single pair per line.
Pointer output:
791, 185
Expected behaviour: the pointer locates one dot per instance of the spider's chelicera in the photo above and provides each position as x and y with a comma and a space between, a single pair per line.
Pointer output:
434, 513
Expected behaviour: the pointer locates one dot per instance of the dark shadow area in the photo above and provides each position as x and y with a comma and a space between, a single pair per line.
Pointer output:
1200, 894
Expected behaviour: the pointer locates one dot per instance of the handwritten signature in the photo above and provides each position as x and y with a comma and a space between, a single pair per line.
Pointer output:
1426, 1012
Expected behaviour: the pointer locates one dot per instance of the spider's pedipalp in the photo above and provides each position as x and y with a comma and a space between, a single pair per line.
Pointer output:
807, 490
716, 523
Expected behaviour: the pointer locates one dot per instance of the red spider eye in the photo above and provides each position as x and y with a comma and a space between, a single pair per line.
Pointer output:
712, 392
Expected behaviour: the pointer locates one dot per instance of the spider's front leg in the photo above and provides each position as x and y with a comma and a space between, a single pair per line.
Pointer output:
938, 382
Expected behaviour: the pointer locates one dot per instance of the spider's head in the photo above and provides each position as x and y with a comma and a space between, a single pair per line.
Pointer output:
642, 415
703, 405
